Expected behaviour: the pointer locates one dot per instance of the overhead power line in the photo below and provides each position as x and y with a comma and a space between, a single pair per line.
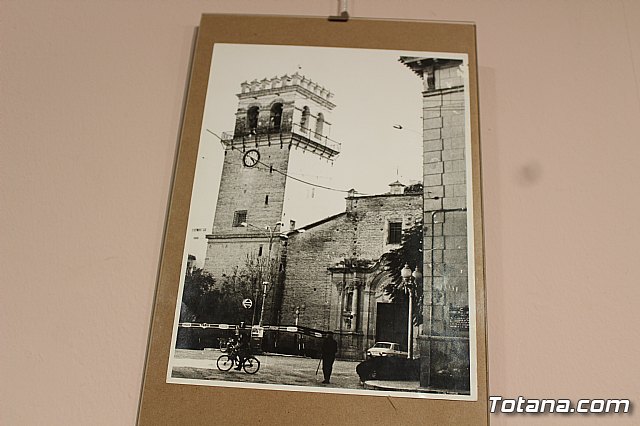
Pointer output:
288, 175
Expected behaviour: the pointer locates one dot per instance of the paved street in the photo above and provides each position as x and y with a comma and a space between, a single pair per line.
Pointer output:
274, 369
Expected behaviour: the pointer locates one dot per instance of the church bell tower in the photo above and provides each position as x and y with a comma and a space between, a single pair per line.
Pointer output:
275, 118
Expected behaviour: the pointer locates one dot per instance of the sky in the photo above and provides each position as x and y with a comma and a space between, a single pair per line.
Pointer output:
373, 92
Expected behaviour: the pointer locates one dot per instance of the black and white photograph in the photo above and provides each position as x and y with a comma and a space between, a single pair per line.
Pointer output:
330, 238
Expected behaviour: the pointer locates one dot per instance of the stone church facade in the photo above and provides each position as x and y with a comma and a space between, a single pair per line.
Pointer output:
335, 276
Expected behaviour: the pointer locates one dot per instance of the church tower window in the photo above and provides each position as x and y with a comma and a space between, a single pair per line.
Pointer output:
276, 116
252, 119
319, 124
304, 121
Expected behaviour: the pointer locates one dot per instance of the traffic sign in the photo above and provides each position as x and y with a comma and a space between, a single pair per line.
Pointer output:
247, 303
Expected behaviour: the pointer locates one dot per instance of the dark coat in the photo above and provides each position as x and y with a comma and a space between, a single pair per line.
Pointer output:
329, 348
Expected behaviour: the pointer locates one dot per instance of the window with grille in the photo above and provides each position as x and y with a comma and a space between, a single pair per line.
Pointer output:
239, 216
395, 233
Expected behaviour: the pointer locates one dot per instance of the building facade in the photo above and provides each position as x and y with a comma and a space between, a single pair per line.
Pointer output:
335, 274
444, 339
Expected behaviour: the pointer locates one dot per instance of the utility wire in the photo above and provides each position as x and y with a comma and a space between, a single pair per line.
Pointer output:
288, 175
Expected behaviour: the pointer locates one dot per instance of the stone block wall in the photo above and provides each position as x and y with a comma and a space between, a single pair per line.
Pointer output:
359, 233
444, 343
308, 281
444, 142
224, 255
244, 188
372, 217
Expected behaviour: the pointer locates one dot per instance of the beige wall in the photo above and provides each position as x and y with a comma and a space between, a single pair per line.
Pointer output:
90, 109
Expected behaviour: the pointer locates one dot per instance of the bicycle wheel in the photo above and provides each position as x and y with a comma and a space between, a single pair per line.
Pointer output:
225, 362
251, 365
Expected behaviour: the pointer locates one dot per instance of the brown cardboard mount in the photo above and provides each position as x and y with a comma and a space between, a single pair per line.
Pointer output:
162, 403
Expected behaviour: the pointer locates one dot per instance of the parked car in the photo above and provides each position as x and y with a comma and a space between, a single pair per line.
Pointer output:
389, 368
385, 349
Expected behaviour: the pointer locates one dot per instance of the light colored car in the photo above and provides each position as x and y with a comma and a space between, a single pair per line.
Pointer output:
385, 349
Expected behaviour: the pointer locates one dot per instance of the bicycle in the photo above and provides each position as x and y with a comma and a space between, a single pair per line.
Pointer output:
251, 364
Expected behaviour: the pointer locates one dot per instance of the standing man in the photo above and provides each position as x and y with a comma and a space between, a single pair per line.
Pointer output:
329, 349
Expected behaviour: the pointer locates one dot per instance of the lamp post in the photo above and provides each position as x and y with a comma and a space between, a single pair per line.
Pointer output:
265, 284
410, 279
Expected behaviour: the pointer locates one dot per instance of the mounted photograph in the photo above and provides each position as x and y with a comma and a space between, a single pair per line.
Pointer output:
330, 239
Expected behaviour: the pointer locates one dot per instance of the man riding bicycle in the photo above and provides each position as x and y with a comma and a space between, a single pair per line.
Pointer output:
242, 350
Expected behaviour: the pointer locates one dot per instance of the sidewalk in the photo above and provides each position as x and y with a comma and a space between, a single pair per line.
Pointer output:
276, 369
286, 370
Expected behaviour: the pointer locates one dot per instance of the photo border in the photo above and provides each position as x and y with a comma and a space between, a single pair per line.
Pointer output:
160, 400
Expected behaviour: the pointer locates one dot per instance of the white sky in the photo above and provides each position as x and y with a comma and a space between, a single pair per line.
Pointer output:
373, 91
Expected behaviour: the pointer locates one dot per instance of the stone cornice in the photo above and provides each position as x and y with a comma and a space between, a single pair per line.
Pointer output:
276, 91
446, 91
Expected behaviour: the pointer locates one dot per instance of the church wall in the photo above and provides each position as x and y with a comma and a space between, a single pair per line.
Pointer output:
224, 255
361, 233
373, 215
308, 281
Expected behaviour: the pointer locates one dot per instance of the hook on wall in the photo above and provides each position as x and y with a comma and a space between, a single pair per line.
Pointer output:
344, 13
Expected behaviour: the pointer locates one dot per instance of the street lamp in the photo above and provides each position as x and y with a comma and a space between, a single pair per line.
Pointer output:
410, 279
270, 230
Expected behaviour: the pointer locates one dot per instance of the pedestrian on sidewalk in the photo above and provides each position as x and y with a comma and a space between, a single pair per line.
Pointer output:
329, 349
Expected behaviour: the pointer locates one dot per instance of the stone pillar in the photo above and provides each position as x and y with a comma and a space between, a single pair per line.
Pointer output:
448, 304
354, 303
367, 313
444, 340
339, 306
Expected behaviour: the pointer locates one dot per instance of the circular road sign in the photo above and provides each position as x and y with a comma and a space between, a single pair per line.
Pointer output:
247, 303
